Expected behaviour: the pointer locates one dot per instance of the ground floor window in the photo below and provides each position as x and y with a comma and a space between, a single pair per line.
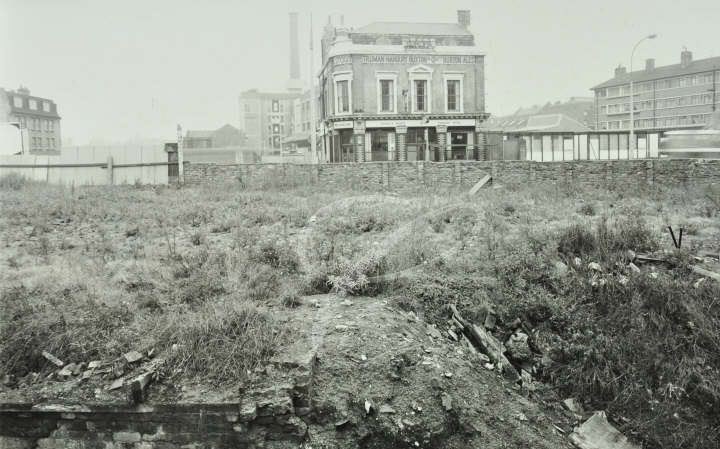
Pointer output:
458, 145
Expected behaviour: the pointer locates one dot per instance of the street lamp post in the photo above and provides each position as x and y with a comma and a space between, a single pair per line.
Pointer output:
631, 143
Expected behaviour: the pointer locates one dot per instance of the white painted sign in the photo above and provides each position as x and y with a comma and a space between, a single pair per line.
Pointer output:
419, 123
345, 124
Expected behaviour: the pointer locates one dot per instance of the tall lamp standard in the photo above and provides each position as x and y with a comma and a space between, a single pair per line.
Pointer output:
632, 99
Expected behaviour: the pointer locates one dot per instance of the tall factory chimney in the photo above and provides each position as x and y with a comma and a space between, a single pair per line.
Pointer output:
295, 81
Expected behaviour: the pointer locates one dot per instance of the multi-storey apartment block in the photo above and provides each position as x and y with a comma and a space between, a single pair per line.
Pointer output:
677, 96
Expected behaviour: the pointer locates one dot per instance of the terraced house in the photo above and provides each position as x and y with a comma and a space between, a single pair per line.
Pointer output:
401, 91
677, 96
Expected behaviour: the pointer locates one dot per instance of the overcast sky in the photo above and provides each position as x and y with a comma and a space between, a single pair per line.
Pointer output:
133, 69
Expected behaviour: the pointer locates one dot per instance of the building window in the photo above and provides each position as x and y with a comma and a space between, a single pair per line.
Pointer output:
387, 97
343, 102
343, 86
33, 104
52, 125
46, 106
276, 105
18, 102
453, 93
23, 122
386, 92
276, 129
420, 96
420, 78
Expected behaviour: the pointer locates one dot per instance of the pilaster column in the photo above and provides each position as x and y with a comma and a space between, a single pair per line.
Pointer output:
441, 131
359, 140
401, 148
480, 142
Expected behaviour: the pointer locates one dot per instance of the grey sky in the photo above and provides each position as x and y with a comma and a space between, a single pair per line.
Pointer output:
133, 69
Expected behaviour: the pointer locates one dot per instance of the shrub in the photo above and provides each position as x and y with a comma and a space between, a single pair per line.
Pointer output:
262, 283
587, 209
355, 276
576, 240
12, 181
276, 253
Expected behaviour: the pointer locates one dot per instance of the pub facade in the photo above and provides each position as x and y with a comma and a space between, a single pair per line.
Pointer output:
401, 91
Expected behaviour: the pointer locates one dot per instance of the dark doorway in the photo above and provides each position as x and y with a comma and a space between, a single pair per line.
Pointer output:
458, 145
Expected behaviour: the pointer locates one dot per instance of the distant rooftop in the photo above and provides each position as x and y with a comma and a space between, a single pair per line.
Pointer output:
403, 28
666, 71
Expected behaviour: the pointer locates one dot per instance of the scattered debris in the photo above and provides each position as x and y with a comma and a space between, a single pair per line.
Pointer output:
452, 334
517, 346
446, 402
137, 388
433, 331
634, 268
598, 433
342, 423
560, 269
54, 360
385, 408
368, 407
703, 272
595, 266
488, 344
484, 180
132, 356
572, 405
118, 383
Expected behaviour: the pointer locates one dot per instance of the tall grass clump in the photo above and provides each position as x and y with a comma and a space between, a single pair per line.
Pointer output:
70, 323
221, 341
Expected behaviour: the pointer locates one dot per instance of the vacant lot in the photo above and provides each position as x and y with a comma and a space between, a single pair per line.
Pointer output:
199, 275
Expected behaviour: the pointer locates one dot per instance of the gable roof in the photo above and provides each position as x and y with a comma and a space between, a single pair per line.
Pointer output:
397, 28
552, 123
666, 71
198, 134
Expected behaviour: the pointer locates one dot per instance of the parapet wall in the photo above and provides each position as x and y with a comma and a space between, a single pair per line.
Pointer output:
459, 174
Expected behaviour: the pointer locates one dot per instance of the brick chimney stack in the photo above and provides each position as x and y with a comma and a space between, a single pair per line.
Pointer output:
620, 71
463, 16
650, 64
685, 58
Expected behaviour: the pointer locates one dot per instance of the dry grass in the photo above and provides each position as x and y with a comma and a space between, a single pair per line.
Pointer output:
93, 272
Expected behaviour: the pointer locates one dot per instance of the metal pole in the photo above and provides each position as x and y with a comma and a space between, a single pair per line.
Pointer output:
181, 174
631, 144
313, 98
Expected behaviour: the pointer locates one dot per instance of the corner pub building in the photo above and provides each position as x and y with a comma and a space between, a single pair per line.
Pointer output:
402, 92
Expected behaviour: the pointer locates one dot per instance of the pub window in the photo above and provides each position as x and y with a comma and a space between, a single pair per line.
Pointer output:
453, 93
421, 95
46, 106
18, 102
33, 104
342, 96
453, 86
387, 96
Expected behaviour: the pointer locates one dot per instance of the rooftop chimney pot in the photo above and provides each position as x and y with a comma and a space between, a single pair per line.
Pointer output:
650, 64
620, 71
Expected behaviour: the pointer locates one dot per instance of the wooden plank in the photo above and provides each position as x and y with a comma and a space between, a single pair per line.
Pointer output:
480, 184
703, 272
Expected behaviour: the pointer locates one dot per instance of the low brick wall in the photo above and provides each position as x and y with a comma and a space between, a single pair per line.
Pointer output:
221, 426
402, 176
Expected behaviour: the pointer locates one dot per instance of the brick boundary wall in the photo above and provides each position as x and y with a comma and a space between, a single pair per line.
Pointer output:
176, 426
402, 176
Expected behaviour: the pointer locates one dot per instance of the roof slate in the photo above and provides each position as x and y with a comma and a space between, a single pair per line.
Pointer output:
666, 71
430, 29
